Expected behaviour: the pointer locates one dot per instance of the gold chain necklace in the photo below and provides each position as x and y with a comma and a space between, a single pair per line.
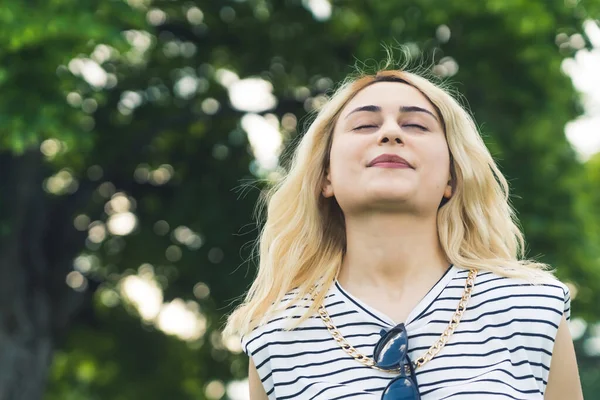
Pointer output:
429, 354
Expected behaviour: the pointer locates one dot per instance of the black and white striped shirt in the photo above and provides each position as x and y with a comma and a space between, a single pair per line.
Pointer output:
501, 349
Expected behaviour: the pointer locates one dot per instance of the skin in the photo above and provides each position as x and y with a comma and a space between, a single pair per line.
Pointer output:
393, 252
257, 391
563, 381
361, 134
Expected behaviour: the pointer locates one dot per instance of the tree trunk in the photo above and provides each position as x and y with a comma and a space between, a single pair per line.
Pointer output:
35, 303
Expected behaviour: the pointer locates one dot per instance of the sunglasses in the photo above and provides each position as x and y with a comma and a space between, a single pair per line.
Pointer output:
391, 354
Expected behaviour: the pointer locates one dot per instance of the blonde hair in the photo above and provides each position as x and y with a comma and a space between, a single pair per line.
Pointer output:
303, 239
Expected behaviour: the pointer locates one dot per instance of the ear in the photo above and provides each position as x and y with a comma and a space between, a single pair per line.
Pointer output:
327, 187
448, 190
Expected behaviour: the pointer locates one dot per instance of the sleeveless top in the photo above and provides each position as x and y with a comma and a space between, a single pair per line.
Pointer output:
501, 349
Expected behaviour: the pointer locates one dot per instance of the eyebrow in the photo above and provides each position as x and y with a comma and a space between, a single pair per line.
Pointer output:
404, 109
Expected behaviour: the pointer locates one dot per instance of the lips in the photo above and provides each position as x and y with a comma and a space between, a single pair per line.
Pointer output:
389, 158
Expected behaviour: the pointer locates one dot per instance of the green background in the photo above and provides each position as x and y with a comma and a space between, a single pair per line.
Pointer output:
181, 163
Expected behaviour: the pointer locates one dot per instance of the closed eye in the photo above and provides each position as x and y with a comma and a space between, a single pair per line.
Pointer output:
364, 127
417, 126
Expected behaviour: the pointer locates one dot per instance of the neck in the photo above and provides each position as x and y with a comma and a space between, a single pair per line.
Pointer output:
387, 250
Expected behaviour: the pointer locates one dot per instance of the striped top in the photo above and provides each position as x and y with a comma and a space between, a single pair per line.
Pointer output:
501, 349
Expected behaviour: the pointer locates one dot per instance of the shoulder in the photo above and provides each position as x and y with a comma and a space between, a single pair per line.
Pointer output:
258, 342
549, 295
280, 317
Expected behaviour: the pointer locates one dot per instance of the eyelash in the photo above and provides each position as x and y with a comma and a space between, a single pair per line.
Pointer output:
375, 126
363, 127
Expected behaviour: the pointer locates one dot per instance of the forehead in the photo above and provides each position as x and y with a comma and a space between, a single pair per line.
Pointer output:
388, 95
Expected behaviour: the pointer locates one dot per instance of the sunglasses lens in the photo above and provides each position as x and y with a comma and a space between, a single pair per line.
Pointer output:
391, 349
401, 389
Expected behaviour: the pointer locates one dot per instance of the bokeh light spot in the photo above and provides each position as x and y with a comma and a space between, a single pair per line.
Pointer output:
186, 87
119, 203
109, 297
320, 9
81, 222
50, 147
443, 33
97, 232
227, 14
238, 389
173, 253
61, 183
265, 139
161, 227
89, 106
74, 99
232, 343
156, 16
76, 281
144, 294
210, 106
194, 15
106, 189
215, 255
577, 326
201, 290
215, 390
122, 224
182, 319
252, 95
289, 122
226, 77
161, 175
142, 173
95, 173
220, 151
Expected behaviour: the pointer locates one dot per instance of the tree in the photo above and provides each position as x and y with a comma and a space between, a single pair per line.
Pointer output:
140, 178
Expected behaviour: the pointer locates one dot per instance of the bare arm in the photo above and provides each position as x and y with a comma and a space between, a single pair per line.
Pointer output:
257, 391
563, 382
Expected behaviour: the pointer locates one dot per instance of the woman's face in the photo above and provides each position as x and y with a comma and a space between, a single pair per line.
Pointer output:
391, 120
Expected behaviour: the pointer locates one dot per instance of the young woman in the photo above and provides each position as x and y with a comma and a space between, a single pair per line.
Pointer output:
391, 264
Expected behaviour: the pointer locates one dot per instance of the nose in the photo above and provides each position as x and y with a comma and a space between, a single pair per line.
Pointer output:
390, 133
386, 139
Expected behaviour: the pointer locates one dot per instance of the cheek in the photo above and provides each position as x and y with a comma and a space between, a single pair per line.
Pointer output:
438, 158
441, 154
345, 159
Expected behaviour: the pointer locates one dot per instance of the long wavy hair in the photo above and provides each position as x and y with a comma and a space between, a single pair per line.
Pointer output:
303, 240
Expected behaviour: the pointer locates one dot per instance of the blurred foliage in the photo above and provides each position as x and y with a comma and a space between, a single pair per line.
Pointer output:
35, 39
116, 127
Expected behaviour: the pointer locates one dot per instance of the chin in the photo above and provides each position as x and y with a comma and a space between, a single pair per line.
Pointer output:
389, 192
387, 200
